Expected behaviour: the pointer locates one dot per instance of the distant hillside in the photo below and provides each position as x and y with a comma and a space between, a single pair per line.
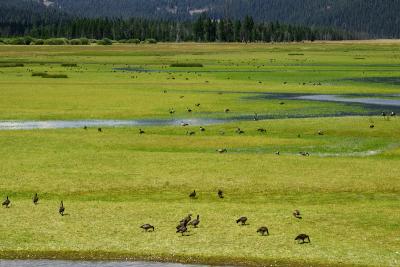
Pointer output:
375, 18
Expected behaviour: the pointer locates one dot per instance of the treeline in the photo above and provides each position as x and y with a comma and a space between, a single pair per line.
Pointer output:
369, 18
204, 29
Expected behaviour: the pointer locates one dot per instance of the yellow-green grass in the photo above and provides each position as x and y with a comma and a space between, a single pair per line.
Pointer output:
114, 181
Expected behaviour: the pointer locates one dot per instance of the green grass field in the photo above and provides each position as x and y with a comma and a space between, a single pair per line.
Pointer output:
348, 189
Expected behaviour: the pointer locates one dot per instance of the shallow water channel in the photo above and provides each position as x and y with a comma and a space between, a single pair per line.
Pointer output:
60, 263
372, 103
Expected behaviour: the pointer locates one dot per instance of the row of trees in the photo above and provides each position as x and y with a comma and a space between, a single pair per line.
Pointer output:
204, 29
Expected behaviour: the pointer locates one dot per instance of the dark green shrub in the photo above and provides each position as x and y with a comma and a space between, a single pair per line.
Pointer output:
105, 41
55, 41
84, 41
69, 65
11, 65
39, 42
75, 42
150, 41
133, 41
186, 65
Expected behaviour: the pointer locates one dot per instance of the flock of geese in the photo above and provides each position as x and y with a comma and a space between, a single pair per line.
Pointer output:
183, 224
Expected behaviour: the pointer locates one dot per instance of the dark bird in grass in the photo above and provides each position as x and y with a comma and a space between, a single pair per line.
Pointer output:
190, 133
171, 111
305, 154
392, 114
220, 193
277, 153
242, 220
6, 202
35, 199
141, 131
184, 124
296, 214
262, 230
255, 116
239, 131
261, 130
202, 129
147, 227
85, 127
182, 229
193, 194
197, 105
186, 220
61, 209
222, 150
320, 133
384, 114
189, 110
195, 222
302, 238
282, 103
227, 110
371, 126
99, 130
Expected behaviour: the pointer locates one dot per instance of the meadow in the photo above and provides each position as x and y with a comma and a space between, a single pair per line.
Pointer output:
113, 181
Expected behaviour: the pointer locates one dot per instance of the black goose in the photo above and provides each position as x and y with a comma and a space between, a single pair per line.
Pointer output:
147, 227
85, 127
302, 238
61, 209
171, 111
202, 129
99, 130
220, 193
227, 110
222, 150
35, 199
186, 220
189, 110
392, 114
242, 220
296, 214
262, 230
6, 202
197, 105
261, 130
182, 229
193, 194
141, 131
371, 126
195, 222
190, 133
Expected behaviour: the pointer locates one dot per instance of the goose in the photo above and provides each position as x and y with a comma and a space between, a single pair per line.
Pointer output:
239, 131
189, 110
220, 193
61, 209
384, 114
392, 114
304, 153
146, 227
296, 214
202, 129
371, 126
255, 116
193, 194
186, 220
277, 153
141, 131
195, 222
242, 220
35, 199
197, 105
85, 127
227, 110
262, 230
261, 130
99, 130
6, 202
182, 229
320, 132
190, 133
171, 111
302, 238
222, 150
184, 124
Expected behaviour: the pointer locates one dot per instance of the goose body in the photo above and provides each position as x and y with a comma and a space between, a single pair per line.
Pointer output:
61, 209
147, 227
195, 222
242, 220
193, 194
35, 199
262, 230
302, 238
296, 214
220, 193
6, 202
